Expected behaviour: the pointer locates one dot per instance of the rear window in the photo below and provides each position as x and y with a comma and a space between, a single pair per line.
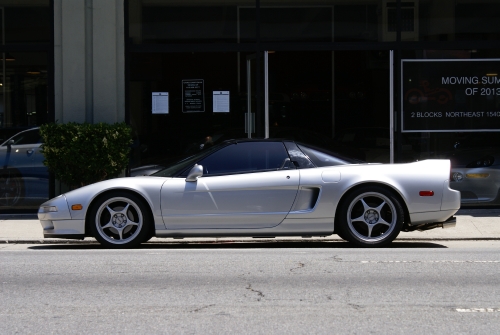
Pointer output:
323, 158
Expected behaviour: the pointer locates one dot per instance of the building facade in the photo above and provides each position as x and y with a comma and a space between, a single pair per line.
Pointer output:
380, 80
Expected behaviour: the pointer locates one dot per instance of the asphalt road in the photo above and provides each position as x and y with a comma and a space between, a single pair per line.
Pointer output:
254, 288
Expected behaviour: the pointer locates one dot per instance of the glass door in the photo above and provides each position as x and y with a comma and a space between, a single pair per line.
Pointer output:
258, 93
333, 99
251, 94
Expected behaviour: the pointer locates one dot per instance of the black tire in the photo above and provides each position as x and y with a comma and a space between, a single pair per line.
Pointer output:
340, 233
11, 188
120, 220
371, 216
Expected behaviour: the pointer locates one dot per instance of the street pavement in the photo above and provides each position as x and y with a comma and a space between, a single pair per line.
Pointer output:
472, 224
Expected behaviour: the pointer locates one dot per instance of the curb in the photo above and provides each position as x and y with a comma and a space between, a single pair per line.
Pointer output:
168, 242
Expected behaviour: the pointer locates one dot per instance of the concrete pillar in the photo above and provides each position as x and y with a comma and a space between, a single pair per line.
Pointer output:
89, 61
108, 61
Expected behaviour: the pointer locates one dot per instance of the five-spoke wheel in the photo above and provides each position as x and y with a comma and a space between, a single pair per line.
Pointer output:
371, 216
120, 220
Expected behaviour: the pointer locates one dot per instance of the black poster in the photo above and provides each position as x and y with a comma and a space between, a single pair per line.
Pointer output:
193, 97
450, 95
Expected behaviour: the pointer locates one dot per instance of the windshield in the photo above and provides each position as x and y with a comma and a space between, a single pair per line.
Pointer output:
176, 168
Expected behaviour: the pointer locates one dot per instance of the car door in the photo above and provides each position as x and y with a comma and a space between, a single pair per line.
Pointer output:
244, 185
21, 151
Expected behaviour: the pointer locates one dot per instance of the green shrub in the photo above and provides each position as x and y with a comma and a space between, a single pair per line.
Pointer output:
82, 154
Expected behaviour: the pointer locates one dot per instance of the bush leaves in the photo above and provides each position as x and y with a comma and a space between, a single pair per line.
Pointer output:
82, 154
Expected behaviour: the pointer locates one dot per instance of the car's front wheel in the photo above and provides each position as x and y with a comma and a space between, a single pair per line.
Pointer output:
120, 220
11, 188
371, 217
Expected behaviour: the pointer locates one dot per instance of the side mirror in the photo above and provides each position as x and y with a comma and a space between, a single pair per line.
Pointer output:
195, 172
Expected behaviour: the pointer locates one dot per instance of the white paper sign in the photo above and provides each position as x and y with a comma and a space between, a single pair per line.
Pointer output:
221, 101
159, 102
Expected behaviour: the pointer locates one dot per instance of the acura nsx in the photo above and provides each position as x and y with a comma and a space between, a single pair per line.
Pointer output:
259, 188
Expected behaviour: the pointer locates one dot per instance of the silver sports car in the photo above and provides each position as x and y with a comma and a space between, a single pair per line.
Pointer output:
259, 188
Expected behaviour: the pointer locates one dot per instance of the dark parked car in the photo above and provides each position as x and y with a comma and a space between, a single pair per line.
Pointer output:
23, 177
475, 172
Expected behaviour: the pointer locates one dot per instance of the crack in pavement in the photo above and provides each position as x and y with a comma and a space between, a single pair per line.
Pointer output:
201, 308
301, 265
259, 293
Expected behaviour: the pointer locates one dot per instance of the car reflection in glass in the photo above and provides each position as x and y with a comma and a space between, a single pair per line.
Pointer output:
24, 179
475, 173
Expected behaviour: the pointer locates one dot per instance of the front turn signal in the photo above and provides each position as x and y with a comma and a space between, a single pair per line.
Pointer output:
77, 207
477, 175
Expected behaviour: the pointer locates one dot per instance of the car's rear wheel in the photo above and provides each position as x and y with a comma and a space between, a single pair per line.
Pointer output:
120, 220
371, 217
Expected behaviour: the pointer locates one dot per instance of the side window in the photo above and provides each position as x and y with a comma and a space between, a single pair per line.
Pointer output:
245, 157
27, 137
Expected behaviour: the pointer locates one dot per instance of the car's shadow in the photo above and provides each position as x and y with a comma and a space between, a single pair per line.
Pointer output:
238, 245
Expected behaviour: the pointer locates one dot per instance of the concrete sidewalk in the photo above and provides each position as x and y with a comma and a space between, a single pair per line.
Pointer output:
472, 224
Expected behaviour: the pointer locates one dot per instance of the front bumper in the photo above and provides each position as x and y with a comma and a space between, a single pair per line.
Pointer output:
74, 229
56, 220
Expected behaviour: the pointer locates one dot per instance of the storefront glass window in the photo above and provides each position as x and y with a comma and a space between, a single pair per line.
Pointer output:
449, 20
325, 21
460, 91
23, 106
328, 99
24, 180
169, 118
319, 92
294, 23
360, 21
280, 21
25, 21
477, 20
191, 21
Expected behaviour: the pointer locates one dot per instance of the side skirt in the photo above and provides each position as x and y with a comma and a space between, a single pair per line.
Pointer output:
288, 227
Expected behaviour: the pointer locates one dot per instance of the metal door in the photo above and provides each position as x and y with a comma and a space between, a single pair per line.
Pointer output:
248, 200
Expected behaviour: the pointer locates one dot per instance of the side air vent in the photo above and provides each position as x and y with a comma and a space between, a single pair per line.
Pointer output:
306, 199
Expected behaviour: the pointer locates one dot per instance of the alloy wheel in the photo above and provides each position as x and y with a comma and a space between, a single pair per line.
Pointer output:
119, 220
371, 217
